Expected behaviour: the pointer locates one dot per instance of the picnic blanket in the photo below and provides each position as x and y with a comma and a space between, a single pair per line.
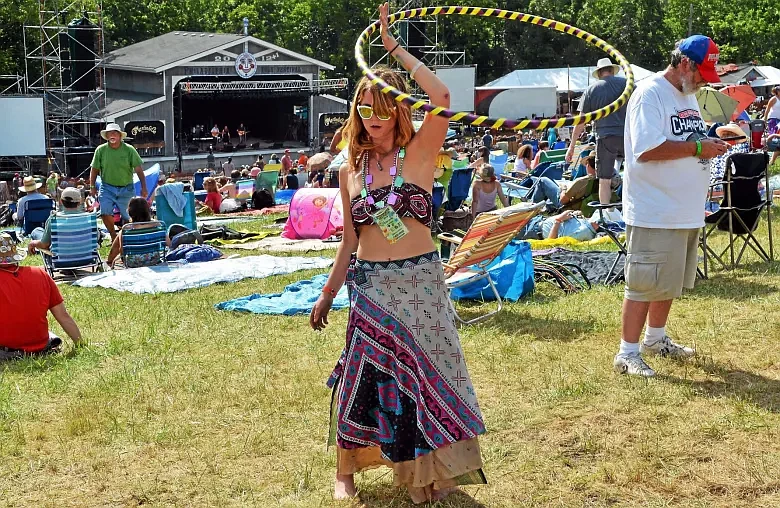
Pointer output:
297, 298
171, 278
279, 244
566, 240
595, 263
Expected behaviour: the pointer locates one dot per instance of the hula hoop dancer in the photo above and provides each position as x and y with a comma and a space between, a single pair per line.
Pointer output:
402, 395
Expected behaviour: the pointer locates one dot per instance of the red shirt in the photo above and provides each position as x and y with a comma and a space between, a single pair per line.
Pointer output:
24, 302
213, 201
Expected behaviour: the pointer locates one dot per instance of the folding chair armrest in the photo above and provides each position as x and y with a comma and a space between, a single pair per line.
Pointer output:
45, 251
450, 238
598, 206
511, 178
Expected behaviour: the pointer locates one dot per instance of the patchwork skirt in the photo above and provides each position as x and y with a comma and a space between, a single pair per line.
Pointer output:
402, 395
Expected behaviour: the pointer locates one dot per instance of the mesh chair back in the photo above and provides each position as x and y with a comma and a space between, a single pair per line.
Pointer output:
74, 240
36, 211
498, 161
166, 214
143, 243
267, 179
489, 233
744, 172
458, 190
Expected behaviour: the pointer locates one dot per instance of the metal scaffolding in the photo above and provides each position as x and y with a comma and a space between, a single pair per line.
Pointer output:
52, 71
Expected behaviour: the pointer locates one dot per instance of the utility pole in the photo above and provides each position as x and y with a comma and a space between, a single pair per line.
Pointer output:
690, 19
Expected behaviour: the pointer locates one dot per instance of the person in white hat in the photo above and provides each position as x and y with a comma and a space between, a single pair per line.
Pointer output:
30, 186
609, 130
28, 294
115, 161
41, 237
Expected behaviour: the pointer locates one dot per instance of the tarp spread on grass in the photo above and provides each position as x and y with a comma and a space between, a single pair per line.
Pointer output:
297, 298
171, 278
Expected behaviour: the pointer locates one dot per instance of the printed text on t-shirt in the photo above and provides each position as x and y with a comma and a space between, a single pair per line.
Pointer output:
687, 121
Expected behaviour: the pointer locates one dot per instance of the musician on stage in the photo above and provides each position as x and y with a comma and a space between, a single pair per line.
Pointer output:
242, 133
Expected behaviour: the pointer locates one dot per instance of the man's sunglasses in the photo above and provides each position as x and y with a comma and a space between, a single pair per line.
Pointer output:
366, 112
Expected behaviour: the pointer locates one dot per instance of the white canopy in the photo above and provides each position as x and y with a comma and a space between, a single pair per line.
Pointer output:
576, 79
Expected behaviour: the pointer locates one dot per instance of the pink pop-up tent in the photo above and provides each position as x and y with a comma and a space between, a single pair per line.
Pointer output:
314, 213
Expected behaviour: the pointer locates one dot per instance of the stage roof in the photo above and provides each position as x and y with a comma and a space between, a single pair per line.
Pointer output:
576, 79
174, 48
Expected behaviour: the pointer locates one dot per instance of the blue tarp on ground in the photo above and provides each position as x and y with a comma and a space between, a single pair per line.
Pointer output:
297, 298
512, 273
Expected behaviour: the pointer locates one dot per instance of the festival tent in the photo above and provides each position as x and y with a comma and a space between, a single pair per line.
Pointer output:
314, 213
575, 79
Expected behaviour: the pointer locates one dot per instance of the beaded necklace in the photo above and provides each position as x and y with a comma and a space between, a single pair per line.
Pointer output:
395, 171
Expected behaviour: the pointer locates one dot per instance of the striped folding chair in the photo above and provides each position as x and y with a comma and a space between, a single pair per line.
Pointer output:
143, 244
74, 243
488, 235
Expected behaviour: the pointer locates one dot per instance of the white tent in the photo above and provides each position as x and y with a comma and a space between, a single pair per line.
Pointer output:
772, 76
576, 79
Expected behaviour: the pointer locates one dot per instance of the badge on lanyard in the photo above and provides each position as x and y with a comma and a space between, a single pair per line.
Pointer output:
391, 225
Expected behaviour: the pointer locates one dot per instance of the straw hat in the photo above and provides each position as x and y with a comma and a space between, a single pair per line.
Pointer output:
730, 130
112, 127
8, 253
29, 184
603, 63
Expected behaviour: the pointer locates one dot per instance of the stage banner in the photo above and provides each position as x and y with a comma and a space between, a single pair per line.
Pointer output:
147, 135
329, 122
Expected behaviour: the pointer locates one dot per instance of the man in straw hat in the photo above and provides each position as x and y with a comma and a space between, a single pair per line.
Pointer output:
665, 188
609, 130
30, 186
115, 161
26, 294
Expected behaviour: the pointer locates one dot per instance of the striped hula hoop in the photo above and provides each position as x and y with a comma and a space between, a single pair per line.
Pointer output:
495, 123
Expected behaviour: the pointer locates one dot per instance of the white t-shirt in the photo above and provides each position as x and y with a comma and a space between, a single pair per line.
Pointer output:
663, 194
520, 165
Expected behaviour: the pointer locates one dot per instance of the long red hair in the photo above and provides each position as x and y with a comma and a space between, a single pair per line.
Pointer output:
356, 135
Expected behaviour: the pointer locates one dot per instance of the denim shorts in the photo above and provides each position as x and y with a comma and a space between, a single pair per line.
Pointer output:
110, 196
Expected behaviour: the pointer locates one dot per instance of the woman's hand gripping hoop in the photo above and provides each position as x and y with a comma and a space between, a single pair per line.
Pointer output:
496, 123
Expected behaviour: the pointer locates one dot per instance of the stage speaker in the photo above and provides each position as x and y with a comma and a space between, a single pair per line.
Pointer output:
81, 33
255, 145
416, 41
240, 146
277, 145
227, 147
192, 149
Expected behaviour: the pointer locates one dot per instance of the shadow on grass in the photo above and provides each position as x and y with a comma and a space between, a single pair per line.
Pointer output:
735, 383
384, 496
551, 326
732, 286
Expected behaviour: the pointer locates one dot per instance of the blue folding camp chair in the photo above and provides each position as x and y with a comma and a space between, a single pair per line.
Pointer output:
197, 179
74, 243
498, 161
36, 211
166, 214
143, 244
459, 187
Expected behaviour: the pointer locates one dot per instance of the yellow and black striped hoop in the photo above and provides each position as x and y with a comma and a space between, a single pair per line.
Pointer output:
469, 118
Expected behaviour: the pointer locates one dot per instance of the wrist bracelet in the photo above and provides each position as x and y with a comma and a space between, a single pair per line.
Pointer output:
414, 69
329, 291
698, 148
396, 47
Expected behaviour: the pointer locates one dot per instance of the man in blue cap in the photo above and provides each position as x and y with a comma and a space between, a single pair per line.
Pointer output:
665, 186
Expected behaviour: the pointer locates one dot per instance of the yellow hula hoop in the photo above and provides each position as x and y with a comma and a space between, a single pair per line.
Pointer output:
469, 118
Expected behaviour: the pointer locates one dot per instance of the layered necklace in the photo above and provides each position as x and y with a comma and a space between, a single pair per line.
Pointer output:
395, 172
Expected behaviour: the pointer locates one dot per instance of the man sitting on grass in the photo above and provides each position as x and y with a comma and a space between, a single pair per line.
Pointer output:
26, 294
71, 201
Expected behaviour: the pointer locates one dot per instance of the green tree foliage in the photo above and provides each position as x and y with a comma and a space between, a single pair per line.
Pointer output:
644, 30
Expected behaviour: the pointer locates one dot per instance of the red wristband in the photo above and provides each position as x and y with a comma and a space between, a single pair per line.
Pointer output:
330, 291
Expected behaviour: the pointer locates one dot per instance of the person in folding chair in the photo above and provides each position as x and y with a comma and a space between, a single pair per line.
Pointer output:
401, 334
27, 293
41, 237
666, 181
141, 216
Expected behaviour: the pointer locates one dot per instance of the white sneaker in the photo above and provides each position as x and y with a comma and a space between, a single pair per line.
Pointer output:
633, 365
666, 347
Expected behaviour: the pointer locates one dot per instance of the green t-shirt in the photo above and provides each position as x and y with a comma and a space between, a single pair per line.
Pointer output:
116, 165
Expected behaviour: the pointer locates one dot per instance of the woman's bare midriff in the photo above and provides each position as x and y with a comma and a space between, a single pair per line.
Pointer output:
373, 246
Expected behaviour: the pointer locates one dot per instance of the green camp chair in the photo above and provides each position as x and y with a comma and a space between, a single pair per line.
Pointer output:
553, 156
267, 180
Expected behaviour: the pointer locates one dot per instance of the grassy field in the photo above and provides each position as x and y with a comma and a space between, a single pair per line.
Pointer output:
177, 404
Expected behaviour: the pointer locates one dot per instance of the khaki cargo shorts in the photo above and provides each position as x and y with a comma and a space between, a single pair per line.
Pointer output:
660, 262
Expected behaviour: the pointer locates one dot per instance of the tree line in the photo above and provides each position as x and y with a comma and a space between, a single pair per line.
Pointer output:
643, 30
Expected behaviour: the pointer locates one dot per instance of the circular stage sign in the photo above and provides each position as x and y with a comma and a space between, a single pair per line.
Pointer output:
246, 65
495, 123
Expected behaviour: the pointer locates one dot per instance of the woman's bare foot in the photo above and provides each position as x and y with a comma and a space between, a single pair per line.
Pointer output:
438, 495
344, 487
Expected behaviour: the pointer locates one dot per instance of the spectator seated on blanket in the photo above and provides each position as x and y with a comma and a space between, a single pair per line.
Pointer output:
41, 237
718, 163
213, 197
139, 211
26, 294
484, 191
291, 180
569, 223
482, 157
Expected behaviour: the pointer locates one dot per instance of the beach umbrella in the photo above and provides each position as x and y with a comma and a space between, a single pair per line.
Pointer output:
715, 106
741, 93
319, 161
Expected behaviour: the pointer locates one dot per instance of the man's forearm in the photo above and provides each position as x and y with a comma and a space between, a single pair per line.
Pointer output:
669, 150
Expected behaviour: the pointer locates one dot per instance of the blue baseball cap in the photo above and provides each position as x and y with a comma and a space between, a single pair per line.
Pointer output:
704, 52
